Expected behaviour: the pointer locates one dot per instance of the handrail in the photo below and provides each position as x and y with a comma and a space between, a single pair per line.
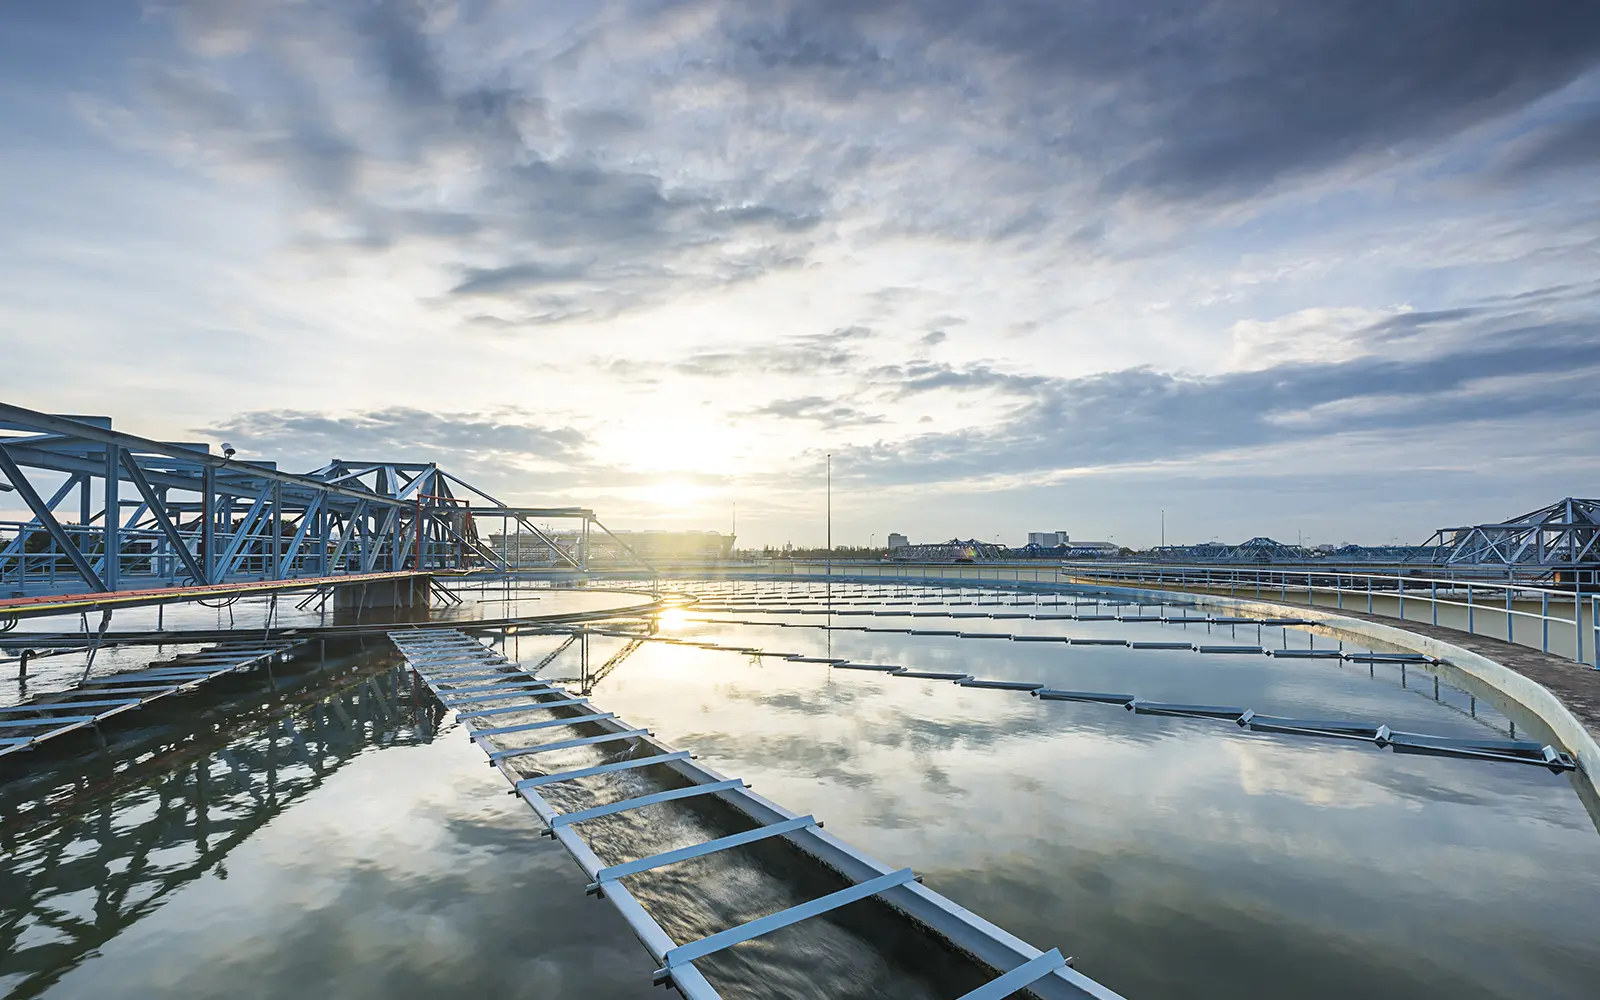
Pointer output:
1301, 585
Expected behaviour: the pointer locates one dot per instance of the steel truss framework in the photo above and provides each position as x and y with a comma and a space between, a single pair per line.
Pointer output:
1562, 536
157, 514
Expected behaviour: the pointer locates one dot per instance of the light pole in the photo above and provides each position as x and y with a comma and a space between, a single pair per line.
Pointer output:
828, 559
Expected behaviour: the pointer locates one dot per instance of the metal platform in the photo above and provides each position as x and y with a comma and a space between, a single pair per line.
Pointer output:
85, 706
448, 660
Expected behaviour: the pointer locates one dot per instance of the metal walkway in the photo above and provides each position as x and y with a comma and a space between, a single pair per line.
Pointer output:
496, 698
85, 706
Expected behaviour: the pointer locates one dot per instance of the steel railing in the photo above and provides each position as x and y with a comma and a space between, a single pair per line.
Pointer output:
1467, 604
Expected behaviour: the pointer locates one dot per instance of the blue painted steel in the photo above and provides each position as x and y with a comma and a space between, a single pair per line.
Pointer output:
1022, 976
514, 682
684, 954
46, 721
508, 692
584, 772
701, 850
506, 670
40, 706
546, 724
531, 706
671, 795
581, 741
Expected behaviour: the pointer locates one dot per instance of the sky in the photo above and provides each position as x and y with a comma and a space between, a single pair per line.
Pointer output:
1325, 271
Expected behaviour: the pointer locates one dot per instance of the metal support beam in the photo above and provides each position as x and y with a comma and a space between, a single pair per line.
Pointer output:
35, 503
158, 513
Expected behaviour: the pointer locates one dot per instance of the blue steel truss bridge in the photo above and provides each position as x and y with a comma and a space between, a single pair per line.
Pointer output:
94, 518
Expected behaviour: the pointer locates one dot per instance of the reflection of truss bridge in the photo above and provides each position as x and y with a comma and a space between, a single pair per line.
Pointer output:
95, 867
588, 677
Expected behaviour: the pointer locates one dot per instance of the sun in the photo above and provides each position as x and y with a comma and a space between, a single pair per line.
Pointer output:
672, 620
675, 493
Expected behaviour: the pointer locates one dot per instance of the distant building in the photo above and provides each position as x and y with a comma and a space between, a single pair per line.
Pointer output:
1099, 548
897, 541
1048, 539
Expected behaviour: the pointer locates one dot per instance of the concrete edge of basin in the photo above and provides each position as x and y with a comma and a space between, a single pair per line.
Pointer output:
1523, 691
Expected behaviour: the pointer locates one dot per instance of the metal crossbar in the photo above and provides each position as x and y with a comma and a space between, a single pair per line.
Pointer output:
507, 671
701, 850
585, 772
514, 682
684, 954
510, 692
582, 741
47, 706
671, 795
529, 707
46, 721
547, 723
1023, 975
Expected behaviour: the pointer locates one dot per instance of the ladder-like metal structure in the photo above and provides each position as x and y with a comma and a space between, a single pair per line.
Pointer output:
496, 699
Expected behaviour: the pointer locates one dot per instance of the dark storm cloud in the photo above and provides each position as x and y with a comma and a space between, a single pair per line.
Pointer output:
1571, 145
1543, 371
1180, 98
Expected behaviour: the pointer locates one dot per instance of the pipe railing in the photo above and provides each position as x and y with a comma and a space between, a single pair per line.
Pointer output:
1341, 588
148, 555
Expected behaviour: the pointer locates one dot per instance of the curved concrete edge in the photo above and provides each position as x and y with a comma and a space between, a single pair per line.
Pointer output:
1530, 695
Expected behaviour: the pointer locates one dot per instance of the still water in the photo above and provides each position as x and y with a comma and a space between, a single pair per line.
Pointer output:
351, 842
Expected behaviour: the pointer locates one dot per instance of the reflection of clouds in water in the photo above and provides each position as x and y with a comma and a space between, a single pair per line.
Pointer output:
1190, 836
407, 875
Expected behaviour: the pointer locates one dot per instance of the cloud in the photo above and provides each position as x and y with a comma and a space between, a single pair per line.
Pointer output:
827, 412
1178, 99
1516, 375
1570, 145
806, 355
403, 434
917, 377
387, 131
